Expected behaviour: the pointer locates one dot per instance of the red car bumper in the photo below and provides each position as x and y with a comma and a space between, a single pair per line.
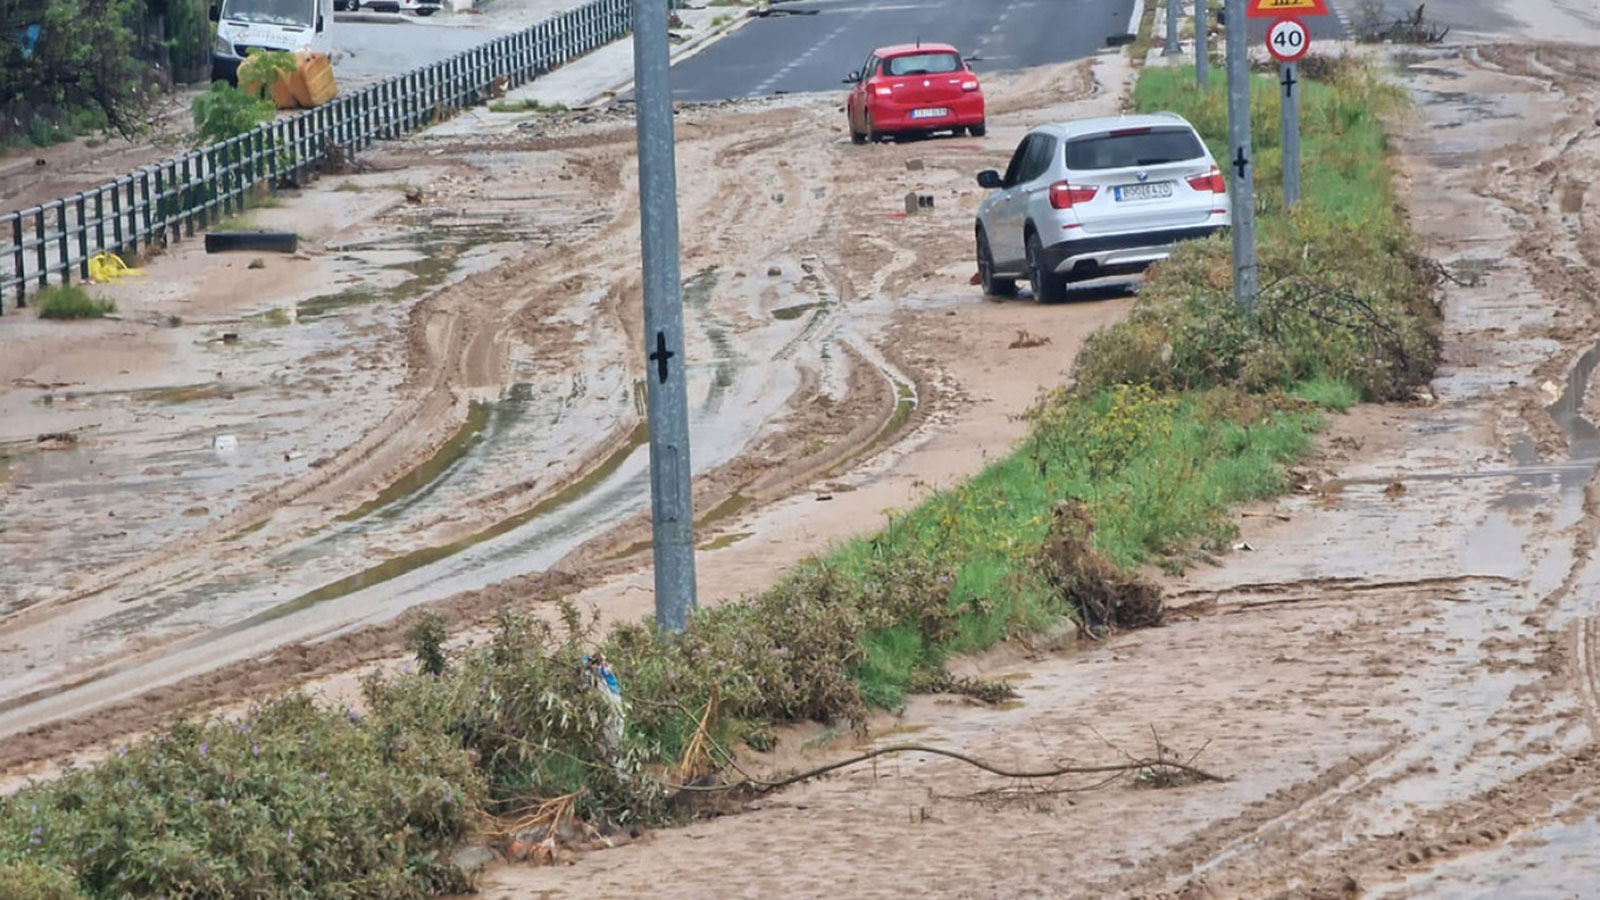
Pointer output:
889, 115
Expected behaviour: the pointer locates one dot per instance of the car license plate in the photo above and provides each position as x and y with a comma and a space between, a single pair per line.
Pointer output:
1157, 191
935, 113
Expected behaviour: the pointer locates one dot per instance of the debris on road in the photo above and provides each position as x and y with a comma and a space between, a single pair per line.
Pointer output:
257, 241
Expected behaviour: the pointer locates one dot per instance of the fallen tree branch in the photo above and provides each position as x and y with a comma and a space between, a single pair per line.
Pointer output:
1134, 765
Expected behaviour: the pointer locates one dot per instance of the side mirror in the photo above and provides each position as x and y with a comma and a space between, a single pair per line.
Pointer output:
852, 78
216, 13
989, 179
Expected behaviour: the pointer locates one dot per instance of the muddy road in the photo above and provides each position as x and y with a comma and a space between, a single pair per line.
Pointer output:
439, 400
1398, 676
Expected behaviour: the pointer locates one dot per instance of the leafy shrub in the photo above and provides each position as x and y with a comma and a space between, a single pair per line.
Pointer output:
262, 69
71, 302
35, 881
1343, 295
288, 801
224, 111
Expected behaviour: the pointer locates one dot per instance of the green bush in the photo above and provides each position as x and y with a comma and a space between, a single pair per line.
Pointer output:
224, 111
288, 801
1343, 296
22, 878
71, 302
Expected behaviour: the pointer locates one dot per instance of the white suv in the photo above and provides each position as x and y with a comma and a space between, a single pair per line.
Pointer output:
1096, 197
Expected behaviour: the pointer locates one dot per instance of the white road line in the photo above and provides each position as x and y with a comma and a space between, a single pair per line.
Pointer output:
766, 85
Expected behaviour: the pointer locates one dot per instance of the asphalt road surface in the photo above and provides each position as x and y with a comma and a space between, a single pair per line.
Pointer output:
372, 47
812, 45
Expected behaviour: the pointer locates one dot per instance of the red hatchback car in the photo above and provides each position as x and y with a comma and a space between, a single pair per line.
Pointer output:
914, 88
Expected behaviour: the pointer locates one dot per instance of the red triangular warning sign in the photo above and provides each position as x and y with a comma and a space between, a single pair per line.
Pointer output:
1276, 9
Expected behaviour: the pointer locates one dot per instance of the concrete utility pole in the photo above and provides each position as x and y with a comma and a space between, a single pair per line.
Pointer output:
1202, 53
1291, 134
1174, 10
1240, 161
666, 394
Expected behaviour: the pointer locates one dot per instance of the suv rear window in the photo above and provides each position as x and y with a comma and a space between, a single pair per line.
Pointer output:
1142, 147
923, 64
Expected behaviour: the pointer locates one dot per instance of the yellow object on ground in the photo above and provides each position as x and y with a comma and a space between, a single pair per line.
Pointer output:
108, 267
310, 83
313, 84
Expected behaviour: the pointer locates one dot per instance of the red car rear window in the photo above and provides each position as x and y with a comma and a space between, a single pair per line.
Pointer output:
923, 64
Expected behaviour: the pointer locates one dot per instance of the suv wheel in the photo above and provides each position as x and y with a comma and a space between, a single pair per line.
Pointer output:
979, 130
873, 134
992, 285
1048, 287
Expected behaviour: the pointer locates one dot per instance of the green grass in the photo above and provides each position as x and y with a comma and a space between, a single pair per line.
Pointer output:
1344, 295
1344, 146
530, 105
71, 302
1328, 393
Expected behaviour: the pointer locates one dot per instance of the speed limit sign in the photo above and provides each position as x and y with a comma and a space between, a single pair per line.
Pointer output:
1288, 40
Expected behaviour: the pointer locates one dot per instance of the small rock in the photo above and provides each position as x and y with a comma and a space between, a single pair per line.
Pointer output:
230, 337
914, 165
774, 271
58, 440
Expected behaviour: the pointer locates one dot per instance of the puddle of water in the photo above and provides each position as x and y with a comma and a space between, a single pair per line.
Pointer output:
249, 530
727, 361
405, 563
790, 313
726, 540
432, 258
431, 470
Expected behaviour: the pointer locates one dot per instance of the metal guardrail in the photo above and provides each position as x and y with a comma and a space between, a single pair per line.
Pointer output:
174, 199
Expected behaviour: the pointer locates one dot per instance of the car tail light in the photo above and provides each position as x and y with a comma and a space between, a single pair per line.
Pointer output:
883, 91
969, 85
1211, 181
1064, 195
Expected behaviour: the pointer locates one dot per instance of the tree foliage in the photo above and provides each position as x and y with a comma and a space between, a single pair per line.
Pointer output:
62, 58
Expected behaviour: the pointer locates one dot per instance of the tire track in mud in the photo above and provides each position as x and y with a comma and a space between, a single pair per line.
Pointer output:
462, 334
1316, 838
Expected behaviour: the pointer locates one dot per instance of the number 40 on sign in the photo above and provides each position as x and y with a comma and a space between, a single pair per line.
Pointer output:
1288, 40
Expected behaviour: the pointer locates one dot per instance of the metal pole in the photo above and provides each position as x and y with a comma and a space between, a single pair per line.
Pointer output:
1239, 160
666, 396
1174, 9
1202, 53
1291, 135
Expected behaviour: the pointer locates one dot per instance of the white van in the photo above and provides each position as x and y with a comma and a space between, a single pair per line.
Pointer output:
246, 25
